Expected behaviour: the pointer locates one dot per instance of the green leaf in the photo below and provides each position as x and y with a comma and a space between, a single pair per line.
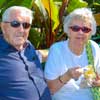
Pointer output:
96, 7
35, 37
97, 17
2, 2
53, 12
41, 8
11, 3
73, 4
27, 3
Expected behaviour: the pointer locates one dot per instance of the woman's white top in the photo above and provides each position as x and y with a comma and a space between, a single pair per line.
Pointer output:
59, 60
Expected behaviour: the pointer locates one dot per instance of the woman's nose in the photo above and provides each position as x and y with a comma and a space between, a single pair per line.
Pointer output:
80, 32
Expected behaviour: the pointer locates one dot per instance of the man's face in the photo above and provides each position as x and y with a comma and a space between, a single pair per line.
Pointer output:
17, 34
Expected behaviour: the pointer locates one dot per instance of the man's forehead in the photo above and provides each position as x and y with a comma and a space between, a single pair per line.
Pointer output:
19, 14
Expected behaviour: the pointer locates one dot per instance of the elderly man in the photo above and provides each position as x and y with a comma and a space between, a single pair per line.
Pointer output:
21, 77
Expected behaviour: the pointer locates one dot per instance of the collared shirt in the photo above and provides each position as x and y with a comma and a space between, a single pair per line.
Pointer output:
20, 73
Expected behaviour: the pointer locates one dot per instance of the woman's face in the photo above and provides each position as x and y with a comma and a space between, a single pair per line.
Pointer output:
80, 31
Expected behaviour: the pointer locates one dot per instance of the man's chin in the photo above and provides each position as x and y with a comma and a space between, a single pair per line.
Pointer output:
19, 41
19, 44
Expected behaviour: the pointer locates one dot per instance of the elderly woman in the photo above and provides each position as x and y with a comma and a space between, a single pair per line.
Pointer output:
67, 60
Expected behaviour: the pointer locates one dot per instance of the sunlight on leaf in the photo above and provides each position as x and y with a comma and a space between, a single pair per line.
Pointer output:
73, 4
27, 3
41, 8
97, 17
53, 12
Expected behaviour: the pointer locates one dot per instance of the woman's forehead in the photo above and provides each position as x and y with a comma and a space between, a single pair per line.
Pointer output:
83, 20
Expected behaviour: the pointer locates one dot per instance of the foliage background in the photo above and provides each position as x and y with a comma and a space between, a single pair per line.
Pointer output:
48, 18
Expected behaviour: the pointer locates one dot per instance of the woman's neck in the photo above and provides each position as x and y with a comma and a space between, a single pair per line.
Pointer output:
76, 49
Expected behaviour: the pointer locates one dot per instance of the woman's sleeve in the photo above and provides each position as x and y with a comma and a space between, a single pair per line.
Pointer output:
53, 64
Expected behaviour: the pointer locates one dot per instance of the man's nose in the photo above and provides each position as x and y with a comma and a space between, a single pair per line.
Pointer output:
21, 27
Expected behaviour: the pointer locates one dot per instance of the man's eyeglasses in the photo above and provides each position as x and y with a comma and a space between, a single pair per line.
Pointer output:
78, 28
16, 24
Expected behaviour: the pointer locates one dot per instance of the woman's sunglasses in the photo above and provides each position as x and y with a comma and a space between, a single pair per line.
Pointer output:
16, 24
78, 28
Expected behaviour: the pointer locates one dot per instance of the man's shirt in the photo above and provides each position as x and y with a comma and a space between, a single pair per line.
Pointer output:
20, 73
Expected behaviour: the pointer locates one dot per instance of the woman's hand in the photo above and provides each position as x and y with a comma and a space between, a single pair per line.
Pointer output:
96, 81
75, 72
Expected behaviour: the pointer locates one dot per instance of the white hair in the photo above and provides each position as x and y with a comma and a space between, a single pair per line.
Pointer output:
81, 12
24, 11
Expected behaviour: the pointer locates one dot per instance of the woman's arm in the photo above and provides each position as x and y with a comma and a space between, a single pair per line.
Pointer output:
55, 85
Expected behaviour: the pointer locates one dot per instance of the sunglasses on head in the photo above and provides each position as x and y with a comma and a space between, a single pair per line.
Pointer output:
78, 28
16, 24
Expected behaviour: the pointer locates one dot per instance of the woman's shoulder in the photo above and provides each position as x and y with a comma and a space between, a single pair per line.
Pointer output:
59, 44
94, 44
95, 47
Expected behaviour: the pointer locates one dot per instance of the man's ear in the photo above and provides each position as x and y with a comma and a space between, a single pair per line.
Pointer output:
3, 27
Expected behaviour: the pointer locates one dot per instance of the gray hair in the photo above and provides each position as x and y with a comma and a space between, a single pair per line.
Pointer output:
24, 11
80, 12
